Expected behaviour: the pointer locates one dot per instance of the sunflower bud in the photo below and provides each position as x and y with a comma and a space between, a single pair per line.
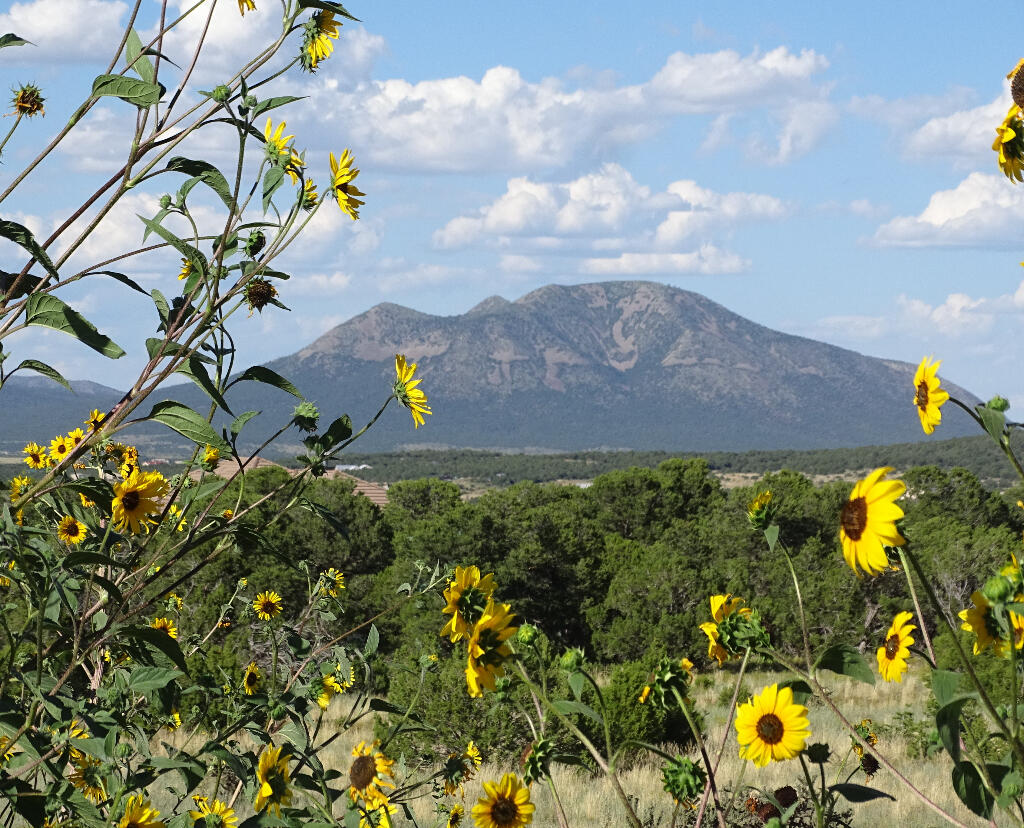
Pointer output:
28, 101
527, 634
537, 762
221, 93
165, 201
818, 753
683, 779
258, 294
250, 101
255, 243
998, 589
740, 630
761, 511
998, 403
572, 660
305, 416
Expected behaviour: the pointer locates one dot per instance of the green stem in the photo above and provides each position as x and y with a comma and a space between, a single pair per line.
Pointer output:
563, 821
819, 813
10, 132
703, 755
800, 607
917, 604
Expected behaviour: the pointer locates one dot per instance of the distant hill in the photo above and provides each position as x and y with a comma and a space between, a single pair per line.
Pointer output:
635, 365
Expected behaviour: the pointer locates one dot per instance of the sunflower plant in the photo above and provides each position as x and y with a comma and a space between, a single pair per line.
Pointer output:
102, 720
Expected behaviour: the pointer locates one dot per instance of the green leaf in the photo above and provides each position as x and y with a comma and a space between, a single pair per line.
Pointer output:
372, 641
801, 689
340, 429
13, 40
137, 92
576, 683
970, 788
859, 793
947, 720
158, 639
194, 369
329, 517
274, 103
944, 686
124, 280
44, 369
187, 423
239, 422
994, 422
162, 308
259, 373
97, 491
271, 182
146, 679
846, 660
26, 800
85, 557
192, 772
326, 5
22, 236
771, 534
207, 174
183, 247
382, 706
50, 312
141, 65
568, 706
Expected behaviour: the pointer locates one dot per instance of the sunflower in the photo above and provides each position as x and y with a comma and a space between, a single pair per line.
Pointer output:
7, 749
722, 606
466, 595
28, 101
487, 650
1009, 143
276, 145
135, 501
455, 816
96, 419
366, 775
329, 688
473, 754
323, 31
506, 804
88, 778
867, 523
19, 485
893, 654
70, 530
406, 392
458, 769
272, 775
178, 519
165, 624
377, 816
211, 455
309, 194
86, 503
218, 809
928, 395
36, 456
252, 679
331, 583
268, 605
980, 620
140, 813
342, 176
246, 5
771, 727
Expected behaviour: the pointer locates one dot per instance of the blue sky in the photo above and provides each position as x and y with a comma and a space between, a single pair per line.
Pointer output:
824, 170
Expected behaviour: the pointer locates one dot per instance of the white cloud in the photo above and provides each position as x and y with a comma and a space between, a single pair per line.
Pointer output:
64, 31
706, 210
849, 327
804, 124
959, 314
982, 210
707, 260
321, 285
965, 136
512, 263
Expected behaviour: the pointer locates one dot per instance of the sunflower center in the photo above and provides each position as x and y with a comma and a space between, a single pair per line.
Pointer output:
130, 501
921, 398
72, 530
362, 771
770, 729
892, 646
504, 812
854, 518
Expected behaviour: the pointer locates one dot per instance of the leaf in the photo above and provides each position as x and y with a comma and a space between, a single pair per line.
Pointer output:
146, 679
771, 534
970, 788
207, 174
329, 517
85, 557
382, 706
271, 182
24, 799
50, 312
124, 280
187, 423
372, 641
859, 793
97, 491
846, 660
137, 92
944, 686
184, 248
194, 369
567, 706
947, 720
192, 772
340, 429
13, 40
801, 689
158, 639
45, 370
576, 683
162, 308
274, 103
326, 5
994, 422
22, 236
259, 373
239, 422
140, 64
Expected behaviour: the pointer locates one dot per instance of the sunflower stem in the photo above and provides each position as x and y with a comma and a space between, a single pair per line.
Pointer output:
917, 605
800, 607
10, 132
819, 812
563, 821
703, 754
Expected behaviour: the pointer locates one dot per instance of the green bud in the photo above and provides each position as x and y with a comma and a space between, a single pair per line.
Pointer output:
250, 101
305, 416
255, 243
818, 753
572, 660
165, 201
998, 589
683, 779
527, 634
998, 403
221, 93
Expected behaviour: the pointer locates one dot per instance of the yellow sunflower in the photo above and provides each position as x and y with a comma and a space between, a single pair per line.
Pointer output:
406, 392
140, 813
7, 749
309, 194
928, 395
377, 816
19, 485
95, 420
35, 456
331, 583
320, 46
276, 145
28, 101
893, 654
329, 688
342, 176
70, 530
770, 727
867, 523
980, 620
370, 772
455, 816
218, 808
268, 605
722, 606
136, 500
487, 649
88, 504
211, 455
272, 775
246, 5
466, 596
1009, 143
88, 778
506, 804
165, 624
252, 679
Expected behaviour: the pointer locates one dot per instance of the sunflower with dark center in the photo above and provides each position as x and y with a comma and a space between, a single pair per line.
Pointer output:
893, 654
252, 679
869, 764
70, 530
140, 813
136, 501
928, 394
268, 605
466, 596
28, 101
506, 804
258, 294
867, 522
88, 778
370, 772
272, 776
770, 727
35, 456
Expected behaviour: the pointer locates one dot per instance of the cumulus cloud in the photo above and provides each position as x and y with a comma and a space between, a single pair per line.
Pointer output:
957, 315
965, 136
704, 210
64, 31
982, 210
513, 263
321, 285
708, 259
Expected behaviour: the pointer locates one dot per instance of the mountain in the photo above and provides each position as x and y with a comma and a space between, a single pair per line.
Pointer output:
608, 365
